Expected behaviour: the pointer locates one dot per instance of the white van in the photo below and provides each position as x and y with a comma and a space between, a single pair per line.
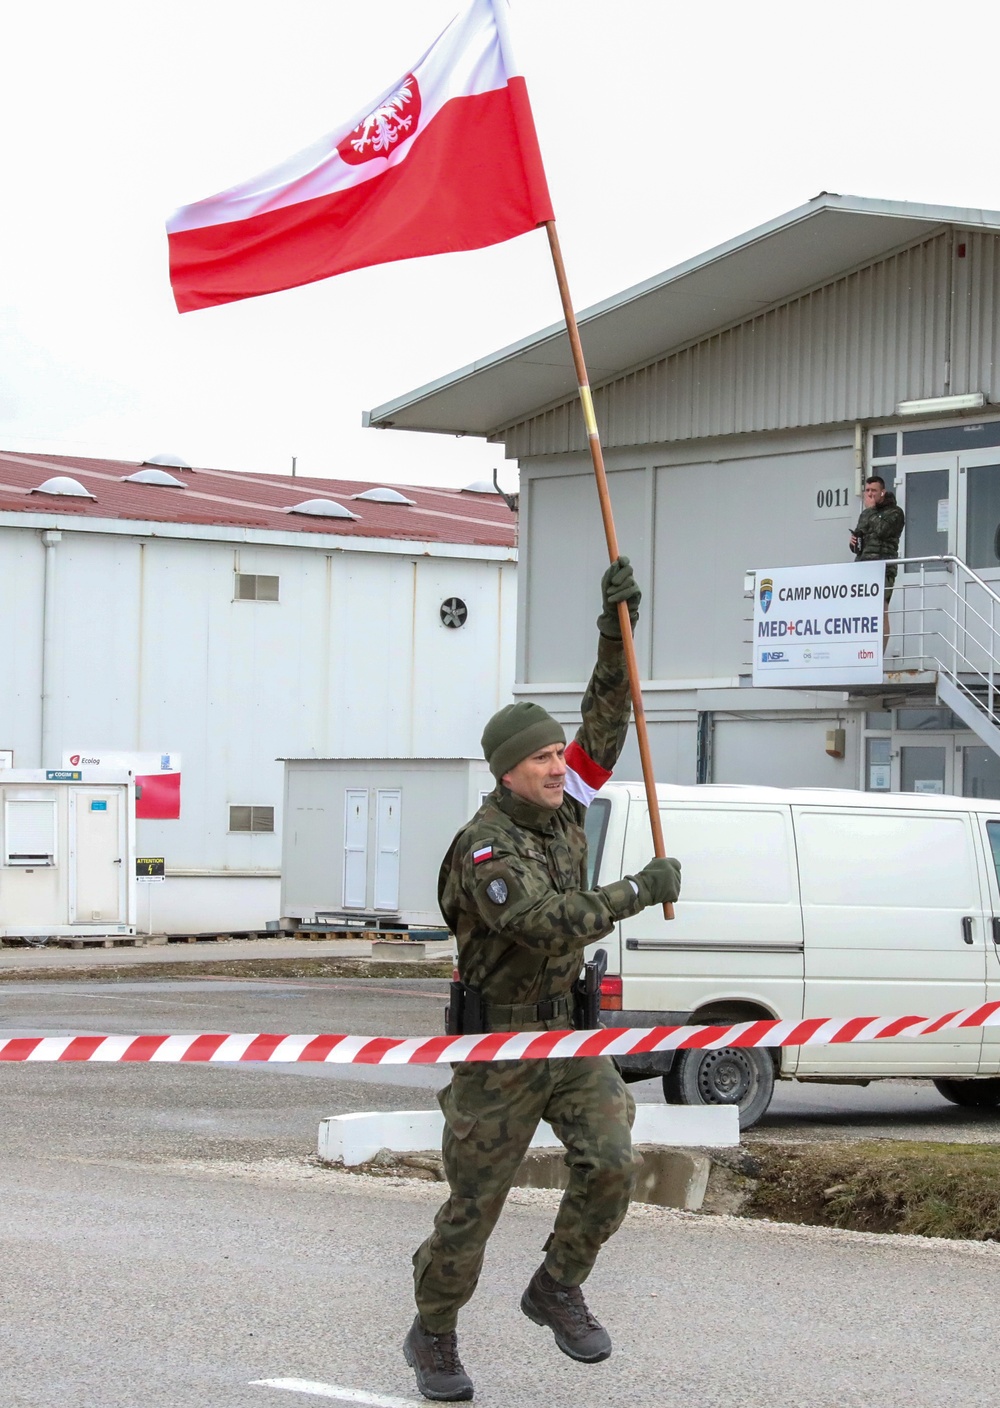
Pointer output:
798, 904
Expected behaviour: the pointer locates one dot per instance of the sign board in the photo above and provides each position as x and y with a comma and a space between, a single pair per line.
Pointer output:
157, 778
63, 775
818, 625
150, 868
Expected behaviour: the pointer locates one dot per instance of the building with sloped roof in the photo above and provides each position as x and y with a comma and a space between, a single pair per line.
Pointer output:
742, 397
228, 620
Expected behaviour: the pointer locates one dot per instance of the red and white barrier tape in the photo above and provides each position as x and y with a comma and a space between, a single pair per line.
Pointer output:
495, 1046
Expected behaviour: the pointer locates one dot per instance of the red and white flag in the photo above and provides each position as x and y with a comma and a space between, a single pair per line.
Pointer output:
446, 159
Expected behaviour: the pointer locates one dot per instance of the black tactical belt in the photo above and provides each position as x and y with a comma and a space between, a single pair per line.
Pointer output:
527, 1011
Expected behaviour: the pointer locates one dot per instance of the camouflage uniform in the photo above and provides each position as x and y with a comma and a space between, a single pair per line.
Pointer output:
522, 916
880, 529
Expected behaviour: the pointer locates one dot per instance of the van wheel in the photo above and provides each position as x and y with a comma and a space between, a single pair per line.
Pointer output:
733, 1075
978, 1094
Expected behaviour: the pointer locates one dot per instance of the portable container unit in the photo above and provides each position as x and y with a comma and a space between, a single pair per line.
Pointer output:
364, 837
67, 854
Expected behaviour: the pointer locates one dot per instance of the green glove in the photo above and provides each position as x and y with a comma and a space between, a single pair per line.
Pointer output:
659, 882
618, 584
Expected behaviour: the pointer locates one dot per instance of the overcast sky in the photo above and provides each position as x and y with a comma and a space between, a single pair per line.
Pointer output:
665, 129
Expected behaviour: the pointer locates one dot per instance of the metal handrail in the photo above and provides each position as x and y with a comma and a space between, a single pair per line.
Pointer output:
958, 633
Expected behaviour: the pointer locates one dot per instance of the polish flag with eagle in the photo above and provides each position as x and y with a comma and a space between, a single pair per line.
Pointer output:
446, 159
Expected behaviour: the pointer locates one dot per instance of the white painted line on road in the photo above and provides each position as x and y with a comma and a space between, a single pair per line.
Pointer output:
345, 1395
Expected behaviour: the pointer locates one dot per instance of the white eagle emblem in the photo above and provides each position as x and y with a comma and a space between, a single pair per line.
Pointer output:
392, 121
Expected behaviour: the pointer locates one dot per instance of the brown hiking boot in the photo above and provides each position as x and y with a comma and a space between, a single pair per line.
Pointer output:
563, 1308
434, 1359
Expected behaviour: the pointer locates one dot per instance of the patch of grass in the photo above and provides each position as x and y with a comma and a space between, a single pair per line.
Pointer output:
935, 1190
230, 968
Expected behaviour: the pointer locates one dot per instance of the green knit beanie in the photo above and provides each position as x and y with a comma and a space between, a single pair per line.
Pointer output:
517, 731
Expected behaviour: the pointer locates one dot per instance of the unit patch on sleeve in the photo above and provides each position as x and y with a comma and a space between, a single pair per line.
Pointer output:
482, 853
497, 891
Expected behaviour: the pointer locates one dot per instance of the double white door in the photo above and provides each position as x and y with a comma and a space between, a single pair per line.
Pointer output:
383, 882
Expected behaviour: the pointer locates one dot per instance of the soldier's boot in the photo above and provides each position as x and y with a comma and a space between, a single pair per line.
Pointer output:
434, 1359
563, 1309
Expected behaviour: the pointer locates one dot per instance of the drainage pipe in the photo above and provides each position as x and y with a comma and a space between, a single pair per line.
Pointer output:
48, 746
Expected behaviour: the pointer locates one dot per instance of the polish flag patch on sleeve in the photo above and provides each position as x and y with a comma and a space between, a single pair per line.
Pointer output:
482, 853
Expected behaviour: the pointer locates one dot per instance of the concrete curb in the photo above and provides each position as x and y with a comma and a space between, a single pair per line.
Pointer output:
355, 1138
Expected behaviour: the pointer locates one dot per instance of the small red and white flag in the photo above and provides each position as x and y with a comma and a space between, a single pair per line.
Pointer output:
446, 159
481, 854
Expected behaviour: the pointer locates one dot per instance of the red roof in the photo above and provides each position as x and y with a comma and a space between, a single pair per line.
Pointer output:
231, 498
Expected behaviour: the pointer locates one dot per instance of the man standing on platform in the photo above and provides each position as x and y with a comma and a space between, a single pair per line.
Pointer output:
514, 890
876, 538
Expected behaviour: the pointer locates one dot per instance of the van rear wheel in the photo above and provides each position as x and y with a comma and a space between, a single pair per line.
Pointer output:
977, 1094
733, 1075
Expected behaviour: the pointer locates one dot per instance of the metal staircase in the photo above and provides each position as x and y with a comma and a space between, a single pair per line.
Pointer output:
944, 624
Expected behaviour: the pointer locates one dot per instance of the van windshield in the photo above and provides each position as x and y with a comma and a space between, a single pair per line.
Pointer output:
596, 827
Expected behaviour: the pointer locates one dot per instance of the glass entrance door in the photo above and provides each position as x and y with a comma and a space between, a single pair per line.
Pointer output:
922, 766
979, 512
926, 493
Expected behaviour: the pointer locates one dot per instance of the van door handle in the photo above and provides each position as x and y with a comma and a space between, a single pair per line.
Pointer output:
967, 928
996, 930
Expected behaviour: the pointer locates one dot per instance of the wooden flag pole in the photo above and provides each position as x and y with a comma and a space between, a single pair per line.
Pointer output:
597, 455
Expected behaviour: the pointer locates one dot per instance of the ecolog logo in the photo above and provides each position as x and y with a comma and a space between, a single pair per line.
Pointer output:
76, 759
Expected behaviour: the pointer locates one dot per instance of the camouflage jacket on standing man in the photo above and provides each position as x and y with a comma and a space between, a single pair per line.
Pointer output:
521, 941
880, 529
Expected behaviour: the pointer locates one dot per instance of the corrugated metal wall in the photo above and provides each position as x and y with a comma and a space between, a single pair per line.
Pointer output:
894, 330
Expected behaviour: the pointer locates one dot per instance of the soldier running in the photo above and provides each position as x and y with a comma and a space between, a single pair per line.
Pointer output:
513, 889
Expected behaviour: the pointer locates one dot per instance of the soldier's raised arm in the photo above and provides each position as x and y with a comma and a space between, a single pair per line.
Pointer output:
606, 705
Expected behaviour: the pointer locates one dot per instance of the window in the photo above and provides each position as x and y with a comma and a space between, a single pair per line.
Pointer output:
596, 826
993, 831
29, 831
879, 764
930, 720
251, 818
252, 587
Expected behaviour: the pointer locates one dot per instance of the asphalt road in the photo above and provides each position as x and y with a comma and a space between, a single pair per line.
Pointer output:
166, 1239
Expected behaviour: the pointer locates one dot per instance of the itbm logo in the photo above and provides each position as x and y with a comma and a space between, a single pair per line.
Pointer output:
771, 657
766, 593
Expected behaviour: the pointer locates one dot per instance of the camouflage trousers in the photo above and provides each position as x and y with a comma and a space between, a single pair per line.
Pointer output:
491, 1110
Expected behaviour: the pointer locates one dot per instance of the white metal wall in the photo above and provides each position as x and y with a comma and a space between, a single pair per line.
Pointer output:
922, 322
152, 652
692, 527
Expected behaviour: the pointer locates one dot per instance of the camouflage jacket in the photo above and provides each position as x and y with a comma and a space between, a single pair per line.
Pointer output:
880, 528
513, 886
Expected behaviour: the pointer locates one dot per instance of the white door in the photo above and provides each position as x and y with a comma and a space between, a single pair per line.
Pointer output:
97, 878
388, 802
917, 618
978, 527
355, 847
895, 926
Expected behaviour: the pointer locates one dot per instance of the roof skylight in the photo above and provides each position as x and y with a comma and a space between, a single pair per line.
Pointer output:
171, 461
385, 496
321, 508
62, 485
154, 476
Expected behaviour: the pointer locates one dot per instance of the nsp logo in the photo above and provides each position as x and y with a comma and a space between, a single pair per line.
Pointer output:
771, 657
